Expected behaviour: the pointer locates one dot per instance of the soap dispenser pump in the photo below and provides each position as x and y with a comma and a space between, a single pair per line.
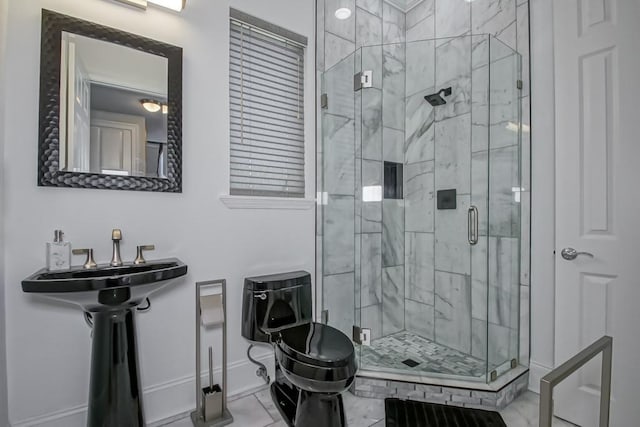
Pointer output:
58, 252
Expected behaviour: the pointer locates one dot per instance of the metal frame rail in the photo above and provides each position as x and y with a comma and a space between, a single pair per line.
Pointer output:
605, 346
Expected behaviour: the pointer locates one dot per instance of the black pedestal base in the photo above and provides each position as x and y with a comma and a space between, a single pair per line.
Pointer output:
115, 397
320, 410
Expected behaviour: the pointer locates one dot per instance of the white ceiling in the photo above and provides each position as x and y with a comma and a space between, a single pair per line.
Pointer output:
118, 65
404, 4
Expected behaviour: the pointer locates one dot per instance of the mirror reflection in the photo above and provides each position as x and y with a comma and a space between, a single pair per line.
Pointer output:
113, 109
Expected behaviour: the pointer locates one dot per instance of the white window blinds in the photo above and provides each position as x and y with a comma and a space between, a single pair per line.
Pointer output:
267, 109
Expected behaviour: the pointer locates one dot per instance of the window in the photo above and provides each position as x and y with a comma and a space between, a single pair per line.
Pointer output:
267, 109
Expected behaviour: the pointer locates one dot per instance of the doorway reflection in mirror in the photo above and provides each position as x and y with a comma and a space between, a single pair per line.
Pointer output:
104, 126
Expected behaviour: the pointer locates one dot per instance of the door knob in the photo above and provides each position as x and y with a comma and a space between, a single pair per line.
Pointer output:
570, 254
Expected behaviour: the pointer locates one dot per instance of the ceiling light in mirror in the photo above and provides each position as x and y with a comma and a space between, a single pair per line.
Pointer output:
151, 105
343, 13
165, 109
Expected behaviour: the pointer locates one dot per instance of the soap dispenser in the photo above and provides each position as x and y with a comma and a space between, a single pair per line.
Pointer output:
58, 253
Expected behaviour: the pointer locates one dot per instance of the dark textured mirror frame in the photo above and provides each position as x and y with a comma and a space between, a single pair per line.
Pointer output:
53, 24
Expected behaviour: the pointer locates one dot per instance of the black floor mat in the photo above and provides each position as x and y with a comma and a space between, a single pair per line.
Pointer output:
408, 413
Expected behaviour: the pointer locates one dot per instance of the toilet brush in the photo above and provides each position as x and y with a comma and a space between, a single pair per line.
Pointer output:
210, 367
211, 395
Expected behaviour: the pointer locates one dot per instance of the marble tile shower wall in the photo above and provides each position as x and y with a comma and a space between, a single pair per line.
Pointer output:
391, 246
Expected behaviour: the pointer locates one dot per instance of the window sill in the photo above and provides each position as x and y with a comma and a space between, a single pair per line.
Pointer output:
283, 203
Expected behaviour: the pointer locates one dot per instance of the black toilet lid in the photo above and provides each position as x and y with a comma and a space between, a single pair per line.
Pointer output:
317, 344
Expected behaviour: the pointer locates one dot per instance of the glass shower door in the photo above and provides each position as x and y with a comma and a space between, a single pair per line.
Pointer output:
367, 92
336, 198
379, 92
504, 208
460, 210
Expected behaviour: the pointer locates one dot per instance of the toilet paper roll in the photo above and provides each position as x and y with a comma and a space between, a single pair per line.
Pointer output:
211, 310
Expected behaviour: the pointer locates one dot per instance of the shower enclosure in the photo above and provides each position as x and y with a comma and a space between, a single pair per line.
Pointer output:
418, 250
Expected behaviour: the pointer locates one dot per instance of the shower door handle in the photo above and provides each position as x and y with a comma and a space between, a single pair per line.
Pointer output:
472, 223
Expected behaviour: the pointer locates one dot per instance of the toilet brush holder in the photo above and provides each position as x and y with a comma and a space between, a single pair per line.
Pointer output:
211, 403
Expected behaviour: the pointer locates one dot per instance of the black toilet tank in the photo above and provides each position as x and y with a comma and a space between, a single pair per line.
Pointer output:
274, 302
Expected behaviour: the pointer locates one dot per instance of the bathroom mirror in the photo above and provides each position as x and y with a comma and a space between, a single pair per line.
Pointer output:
110, 108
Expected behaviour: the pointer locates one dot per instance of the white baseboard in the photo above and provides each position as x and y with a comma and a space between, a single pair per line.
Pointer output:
536, 372
167, 400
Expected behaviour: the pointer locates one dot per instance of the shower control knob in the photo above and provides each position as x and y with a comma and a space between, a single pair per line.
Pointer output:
262, 296
570, 254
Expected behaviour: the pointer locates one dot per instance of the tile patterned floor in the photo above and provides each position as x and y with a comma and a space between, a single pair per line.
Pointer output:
257, 410
390, 351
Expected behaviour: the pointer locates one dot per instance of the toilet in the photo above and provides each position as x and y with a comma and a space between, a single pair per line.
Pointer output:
315, 363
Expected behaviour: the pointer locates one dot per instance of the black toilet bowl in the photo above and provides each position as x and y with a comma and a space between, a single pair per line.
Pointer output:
319, 361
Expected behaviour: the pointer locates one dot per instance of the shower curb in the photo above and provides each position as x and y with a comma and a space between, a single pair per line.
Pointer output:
465, 397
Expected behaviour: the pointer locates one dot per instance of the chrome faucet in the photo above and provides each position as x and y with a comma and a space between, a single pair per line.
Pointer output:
90, 262
139, 257
116, 236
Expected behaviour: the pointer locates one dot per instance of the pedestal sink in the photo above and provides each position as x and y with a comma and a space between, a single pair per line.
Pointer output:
110, 294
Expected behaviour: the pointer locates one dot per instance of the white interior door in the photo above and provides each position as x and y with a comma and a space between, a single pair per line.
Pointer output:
75, 153
118, 144
597, 93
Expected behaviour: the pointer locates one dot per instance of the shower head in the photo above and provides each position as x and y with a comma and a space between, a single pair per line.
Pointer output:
436, 99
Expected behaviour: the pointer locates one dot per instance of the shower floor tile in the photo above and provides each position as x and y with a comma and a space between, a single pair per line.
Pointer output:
389, 352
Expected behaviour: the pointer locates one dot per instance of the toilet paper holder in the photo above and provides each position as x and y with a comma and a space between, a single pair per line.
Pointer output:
211, 402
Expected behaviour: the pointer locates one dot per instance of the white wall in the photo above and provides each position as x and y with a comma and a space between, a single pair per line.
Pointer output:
542, 192
3, 362
48, 344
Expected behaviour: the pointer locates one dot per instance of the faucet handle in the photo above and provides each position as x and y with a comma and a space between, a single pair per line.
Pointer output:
89, 263
139, 258
116, 234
